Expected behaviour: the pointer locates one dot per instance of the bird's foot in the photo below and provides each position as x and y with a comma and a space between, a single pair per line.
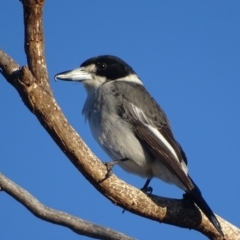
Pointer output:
110, 165
147, 189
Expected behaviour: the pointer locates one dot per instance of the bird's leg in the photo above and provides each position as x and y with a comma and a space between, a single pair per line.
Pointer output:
146, 189
110, 165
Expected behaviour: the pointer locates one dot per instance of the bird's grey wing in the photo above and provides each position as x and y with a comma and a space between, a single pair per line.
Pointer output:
154, 132
159, 140
153, 114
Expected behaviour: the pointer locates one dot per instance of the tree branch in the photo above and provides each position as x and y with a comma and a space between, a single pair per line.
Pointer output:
34, 40
38, 98
50, 215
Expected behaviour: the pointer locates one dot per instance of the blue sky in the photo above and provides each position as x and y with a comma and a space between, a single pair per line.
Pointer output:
187, 53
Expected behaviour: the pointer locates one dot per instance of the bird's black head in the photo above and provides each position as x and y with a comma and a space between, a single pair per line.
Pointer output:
97, 71
109, 66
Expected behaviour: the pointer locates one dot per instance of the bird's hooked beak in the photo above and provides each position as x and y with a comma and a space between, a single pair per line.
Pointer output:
78, 74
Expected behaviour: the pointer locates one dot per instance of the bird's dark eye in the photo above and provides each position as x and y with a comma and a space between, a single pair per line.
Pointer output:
101, 66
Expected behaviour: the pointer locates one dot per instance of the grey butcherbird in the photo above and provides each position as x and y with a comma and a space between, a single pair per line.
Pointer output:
129, 124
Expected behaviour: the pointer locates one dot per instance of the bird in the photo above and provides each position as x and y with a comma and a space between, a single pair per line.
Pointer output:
131, 127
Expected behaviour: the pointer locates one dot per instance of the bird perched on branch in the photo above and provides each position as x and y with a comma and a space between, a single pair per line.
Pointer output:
131, 127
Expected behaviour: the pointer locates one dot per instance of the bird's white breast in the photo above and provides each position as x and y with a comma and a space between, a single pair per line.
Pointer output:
114, 134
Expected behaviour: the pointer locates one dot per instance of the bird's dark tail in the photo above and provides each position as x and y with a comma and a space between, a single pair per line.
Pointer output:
196, 196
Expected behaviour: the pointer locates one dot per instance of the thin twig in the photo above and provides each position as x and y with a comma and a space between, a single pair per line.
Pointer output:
76, 224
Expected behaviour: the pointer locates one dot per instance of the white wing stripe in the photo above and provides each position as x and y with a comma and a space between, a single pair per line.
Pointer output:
139, 114
163, 140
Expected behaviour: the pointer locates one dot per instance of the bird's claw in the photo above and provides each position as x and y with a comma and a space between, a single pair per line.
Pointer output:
109, 167
147, 190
